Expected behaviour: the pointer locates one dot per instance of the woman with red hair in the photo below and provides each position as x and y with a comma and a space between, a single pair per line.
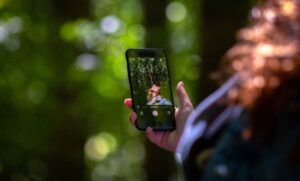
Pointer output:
249, 129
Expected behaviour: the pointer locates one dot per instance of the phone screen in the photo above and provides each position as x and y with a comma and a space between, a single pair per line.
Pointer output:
150, 89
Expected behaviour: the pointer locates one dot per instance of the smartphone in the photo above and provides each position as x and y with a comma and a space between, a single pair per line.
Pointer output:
150, 86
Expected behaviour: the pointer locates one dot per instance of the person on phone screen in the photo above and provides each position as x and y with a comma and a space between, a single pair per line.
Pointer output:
154, 96
259, 102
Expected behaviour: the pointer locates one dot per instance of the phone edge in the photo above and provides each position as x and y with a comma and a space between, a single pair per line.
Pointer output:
131, 89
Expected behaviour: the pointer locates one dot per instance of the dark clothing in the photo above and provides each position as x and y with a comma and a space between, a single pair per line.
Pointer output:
212, 146
237, 159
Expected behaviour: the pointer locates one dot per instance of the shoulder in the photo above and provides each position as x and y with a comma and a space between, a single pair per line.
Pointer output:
165, 101
235, 158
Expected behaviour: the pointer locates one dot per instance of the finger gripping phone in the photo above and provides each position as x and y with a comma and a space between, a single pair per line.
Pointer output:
150, 86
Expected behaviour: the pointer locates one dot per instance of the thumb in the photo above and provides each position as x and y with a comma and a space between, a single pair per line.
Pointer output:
183, 97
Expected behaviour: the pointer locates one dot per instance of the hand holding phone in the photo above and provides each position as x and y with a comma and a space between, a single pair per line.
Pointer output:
165, 138
168, 139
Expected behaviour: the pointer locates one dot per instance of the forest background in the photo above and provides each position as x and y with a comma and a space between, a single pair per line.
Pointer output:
63, 80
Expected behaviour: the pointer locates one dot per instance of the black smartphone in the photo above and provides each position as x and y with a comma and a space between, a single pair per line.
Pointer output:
150, 86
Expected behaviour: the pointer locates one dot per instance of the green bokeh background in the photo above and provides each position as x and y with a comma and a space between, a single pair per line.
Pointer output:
63, 79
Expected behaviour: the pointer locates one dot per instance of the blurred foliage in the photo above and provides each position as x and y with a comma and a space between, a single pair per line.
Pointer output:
63, 80
147, 74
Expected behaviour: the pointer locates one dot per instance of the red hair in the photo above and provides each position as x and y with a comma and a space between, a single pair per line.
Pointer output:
267, 59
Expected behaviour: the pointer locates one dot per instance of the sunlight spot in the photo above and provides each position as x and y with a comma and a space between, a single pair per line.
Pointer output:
3, 3
86, 62
256, 13
98, 147
110, 24
289, 8
259, 81
3, 34
259, 62
269, 15
264, 49
14, 25
176, 11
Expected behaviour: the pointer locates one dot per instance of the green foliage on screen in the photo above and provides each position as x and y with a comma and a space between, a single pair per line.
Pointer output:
149, 73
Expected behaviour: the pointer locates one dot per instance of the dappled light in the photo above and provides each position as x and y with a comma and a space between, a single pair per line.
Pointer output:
63, 80
9, 30
175, 11
110, 24
98, 147
87, 61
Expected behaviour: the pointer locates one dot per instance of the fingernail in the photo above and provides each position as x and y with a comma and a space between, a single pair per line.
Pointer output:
182, 84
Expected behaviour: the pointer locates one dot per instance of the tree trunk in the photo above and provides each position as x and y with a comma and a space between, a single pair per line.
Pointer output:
160, 164
66, 156
220, 21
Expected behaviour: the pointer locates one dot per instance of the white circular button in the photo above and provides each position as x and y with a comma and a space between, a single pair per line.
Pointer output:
154, 113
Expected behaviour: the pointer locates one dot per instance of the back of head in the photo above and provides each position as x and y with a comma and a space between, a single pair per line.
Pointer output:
267, 59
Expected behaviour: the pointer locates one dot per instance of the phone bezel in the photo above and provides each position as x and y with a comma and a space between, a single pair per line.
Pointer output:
140, 51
